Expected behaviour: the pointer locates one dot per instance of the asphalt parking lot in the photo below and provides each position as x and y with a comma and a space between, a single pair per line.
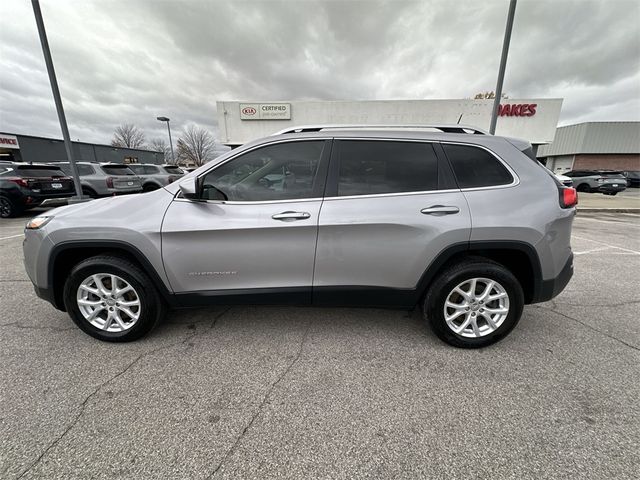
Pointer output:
275, 392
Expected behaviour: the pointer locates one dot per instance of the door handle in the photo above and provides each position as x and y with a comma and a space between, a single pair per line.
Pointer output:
440, 210
286, 216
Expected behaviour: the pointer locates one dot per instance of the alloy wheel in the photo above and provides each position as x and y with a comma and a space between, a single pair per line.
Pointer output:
108, 302
5, 207
476, 307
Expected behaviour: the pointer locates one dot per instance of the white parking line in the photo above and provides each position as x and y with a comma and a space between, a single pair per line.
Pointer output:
626, 224
606, 245
12, 236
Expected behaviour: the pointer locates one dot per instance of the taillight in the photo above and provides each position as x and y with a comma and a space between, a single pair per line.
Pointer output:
568, 197
110, 182
17, 180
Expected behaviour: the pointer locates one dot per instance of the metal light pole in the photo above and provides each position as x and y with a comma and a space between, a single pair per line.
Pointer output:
503, 65
56, 97
166, 119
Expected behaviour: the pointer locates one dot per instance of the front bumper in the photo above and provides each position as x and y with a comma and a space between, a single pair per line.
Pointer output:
553, 287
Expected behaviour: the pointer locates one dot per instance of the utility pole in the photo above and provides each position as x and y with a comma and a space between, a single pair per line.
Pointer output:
57, 99
503, 65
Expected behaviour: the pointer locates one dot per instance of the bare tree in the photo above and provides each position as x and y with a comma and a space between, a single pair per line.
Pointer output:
196, 145
129, 136
159, 145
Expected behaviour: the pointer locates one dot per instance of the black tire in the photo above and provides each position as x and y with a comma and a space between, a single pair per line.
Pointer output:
443, 285
88, 192
583, 187
150, 187
152, 304
8, 208
613, 194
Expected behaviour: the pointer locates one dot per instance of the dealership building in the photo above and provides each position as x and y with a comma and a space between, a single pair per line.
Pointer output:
30, 149
533, 119
593, 146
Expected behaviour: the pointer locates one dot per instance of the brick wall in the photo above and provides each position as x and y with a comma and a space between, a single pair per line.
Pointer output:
606, 162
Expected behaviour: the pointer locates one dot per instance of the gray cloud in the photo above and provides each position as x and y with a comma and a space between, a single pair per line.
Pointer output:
124, 61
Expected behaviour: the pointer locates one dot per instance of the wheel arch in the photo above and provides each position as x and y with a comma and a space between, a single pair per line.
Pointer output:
66, 255
520, 258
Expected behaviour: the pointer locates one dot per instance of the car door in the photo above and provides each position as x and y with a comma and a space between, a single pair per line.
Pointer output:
254, 228
391, 207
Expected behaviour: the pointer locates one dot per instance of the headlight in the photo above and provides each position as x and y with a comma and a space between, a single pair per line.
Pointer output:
38, 222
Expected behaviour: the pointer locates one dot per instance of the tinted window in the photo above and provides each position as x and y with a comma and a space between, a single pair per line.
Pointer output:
475, 167
137, 169
36, 171
83, 170
372, 167
173, 170
117, 170
277, 172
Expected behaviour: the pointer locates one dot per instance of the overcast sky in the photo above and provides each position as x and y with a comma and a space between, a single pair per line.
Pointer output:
130, 61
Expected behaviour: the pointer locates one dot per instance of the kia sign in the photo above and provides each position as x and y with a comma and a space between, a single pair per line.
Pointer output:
265, 111
8, 141
517, 110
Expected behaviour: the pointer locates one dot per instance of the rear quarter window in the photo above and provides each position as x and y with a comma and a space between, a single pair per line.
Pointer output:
475, 167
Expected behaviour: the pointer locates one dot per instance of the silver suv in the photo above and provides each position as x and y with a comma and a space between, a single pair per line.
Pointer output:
104, 179
467, 225
154, 177
608, 182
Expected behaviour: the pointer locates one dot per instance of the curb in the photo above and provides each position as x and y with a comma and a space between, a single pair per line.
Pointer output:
608, 210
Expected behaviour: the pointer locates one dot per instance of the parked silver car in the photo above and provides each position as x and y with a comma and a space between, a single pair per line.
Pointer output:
604, 181
104, 179
156, 176
468, 225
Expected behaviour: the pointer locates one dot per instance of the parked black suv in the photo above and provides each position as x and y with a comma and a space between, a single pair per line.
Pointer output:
24, 186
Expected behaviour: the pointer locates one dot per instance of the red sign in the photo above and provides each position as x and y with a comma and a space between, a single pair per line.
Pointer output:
8, 141
517, 110
249, 111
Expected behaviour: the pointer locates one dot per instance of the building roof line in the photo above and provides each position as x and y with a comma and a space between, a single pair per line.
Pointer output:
79, 142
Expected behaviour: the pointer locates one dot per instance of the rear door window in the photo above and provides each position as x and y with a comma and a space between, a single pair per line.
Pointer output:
475, 167
369, 167
117, 170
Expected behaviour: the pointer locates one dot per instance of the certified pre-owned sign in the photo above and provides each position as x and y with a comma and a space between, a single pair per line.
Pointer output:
265, 111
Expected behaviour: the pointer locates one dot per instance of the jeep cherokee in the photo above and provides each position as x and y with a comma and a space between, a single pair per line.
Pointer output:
467, 225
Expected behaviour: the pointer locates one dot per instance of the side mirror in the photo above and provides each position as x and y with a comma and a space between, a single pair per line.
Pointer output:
189, 188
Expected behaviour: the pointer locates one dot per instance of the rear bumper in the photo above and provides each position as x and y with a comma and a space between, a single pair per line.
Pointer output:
553, 287
610, 188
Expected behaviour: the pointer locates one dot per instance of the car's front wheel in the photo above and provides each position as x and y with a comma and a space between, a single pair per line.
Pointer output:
8, 209
112, 299
474, 303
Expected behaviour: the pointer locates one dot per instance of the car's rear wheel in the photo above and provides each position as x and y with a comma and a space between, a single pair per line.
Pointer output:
88, 192
112, 299
583, 187
474, 303
8, 208
150, 187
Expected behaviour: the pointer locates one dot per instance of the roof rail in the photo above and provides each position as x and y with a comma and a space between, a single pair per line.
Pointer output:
443, 128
